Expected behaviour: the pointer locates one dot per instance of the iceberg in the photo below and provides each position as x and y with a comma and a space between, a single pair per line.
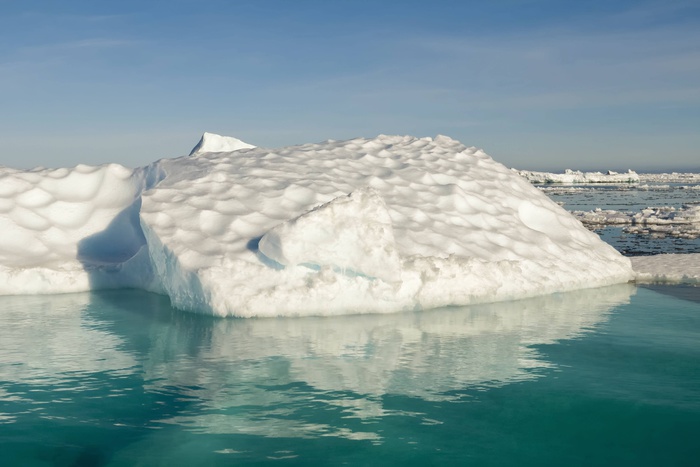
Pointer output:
366, 225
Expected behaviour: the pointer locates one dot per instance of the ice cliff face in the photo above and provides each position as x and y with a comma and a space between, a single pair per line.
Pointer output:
365, 225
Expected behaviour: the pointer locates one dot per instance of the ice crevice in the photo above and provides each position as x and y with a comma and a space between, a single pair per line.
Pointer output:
366, 225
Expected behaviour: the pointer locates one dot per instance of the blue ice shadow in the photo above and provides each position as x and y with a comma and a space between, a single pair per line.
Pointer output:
118, 242
253, 245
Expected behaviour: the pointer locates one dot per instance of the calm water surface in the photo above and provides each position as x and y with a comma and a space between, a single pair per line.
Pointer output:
599, 377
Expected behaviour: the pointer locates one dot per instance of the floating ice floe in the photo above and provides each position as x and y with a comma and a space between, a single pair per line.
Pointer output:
669, 268
564, 189
577, 177
667, 187
683, 222
673, 177
366, 225
573, 177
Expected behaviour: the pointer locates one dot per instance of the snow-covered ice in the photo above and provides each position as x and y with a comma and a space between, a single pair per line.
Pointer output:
668, 268
351, 232
70, 230
365, 225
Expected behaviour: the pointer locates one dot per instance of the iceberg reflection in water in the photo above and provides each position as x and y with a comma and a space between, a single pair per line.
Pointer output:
262, 376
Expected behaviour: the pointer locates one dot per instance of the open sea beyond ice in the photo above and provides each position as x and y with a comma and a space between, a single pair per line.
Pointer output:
607, 376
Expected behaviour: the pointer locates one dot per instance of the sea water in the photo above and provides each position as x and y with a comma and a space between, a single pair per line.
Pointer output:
601, 377
606, 376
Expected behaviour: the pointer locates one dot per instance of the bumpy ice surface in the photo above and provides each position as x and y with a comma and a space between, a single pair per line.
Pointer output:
70, 230
384, 224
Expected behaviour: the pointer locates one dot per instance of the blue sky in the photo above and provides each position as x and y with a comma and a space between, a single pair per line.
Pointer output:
537, 84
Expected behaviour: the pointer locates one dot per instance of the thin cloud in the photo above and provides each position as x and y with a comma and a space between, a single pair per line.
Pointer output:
25, 59
89, 43
612, 68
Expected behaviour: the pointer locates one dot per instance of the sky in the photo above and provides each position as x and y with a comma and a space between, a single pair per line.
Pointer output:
540, 85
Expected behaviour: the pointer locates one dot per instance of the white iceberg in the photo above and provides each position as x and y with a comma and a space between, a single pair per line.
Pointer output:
366, 225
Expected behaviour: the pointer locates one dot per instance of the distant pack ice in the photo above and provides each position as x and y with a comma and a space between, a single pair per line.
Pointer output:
365, 225
570, 177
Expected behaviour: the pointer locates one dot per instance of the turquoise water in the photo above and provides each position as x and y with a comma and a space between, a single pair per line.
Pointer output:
600, 377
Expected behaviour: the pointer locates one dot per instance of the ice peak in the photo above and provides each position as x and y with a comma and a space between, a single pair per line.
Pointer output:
211, 142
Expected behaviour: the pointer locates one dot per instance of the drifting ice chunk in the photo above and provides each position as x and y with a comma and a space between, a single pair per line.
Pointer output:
350, 232
669, 221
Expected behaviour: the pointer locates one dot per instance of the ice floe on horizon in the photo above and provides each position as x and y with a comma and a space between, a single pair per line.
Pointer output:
572, 177
578, 177
683, 222
365, 225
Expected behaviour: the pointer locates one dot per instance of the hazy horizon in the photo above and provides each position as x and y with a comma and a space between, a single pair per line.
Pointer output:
553, 168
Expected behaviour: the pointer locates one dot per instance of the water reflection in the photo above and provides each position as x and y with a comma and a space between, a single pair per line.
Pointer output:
49, 339
264, 376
